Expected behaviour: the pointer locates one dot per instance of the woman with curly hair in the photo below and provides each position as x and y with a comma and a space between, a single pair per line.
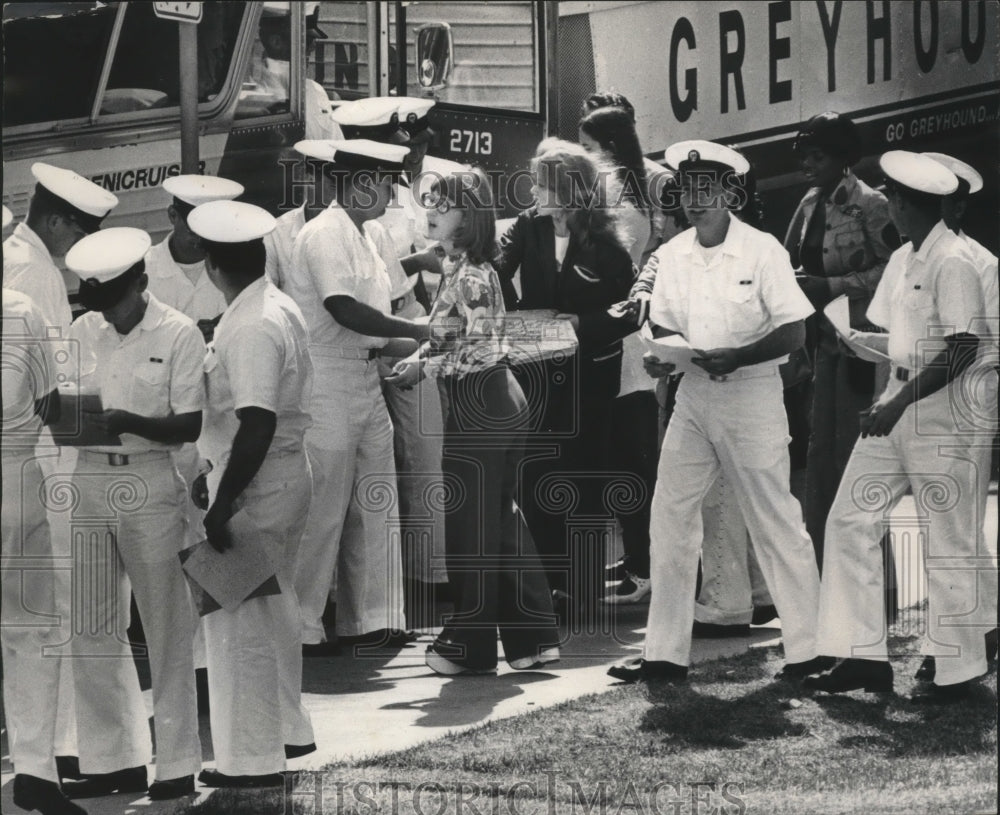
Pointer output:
570, 251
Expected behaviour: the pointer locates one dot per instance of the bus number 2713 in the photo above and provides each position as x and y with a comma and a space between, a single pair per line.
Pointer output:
479, 142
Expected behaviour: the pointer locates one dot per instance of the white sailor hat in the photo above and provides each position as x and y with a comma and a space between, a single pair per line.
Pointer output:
374, 118
8, 216
276, 9
413, 116
685, 155
918, 172
101, 260
356, 154
230, 222
961, 169
83, 200
108, 253
200, 189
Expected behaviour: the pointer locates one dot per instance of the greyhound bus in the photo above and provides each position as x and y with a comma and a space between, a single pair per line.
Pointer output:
96, 86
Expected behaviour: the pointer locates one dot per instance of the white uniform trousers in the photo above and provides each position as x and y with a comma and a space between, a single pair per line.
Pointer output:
732, 583
255, 652
418, 432
352, 530
57, 465
737, 426
127, 529
29, 622
187, 460
923, 452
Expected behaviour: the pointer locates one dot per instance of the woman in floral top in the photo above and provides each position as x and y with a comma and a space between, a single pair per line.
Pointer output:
491, 558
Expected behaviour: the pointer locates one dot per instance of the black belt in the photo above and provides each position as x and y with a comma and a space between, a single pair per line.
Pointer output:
902, 374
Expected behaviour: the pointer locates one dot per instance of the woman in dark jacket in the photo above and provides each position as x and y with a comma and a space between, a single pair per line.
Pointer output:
571, 257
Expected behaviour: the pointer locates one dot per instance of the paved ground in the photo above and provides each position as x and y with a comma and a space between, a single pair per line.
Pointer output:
373, 701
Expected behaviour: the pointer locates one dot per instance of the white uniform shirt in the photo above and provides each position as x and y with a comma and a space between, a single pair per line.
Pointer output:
155, 370
259, 358
169, 284
279, 244
28, 268
331, 257
745, 291
986, 266
273, 79
28, 370
925, 296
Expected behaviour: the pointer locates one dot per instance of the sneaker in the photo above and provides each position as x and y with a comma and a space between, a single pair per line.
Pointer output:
633, 589
446, 667
614, 572
533, 663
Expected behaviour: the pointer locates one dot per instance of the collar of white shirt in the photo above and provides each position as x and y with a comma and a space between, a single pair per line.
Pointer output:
257, 286
732, 245
29, 236
939, 231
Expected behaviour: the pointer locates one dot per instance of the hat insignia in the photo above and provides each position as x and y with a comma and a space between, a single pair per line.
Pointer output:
694, 155
92, 281
411, 117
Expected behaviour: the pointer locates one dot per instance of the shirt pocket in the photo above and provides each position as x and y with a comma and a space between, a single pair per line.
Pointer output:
151, 389
742, 307
918, 300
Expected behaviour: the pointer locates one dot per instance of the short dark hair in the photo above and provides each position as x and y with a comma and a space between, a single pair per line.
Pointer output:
834, 134
45, 203
241, 261
927, 204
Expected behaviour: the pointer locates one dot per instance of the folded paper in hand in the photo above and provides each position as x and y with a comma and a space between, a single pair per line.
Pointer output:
838, 312
226, 579
674, 349
74, 429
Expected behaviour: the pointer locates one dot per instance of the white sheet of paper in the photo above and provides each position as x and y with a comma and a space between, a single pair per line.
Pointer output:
838, 312
230, 577
673, 349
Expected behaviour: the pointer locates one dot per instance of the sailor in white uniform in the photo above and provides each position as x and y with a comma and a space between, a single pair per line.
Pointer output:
341, 284
729, 290
144, 360
915, 437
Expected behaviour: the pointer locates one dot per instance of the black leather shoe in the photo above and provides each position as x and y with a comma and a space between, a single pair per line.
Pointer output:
297, 750
633, 670
31, 792
171, 788
942, 694
712, 631
853, 674
927, 670
800, 670
213, 778
763, 614
321, 649
68, 767
93, 786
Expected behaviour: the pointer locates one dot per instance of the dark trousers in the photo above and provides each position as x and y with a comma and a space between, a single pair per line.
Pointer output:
496, 577
564, 476
635, 451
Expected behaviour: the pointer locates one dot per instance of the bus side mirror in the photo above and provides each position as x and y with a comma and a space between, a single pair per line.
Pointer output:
434, 55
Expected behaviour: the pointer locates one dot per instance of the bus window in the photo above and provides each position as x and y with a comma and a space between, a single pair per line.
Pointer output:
145, 72
495, 52
266, 90
53, 56
340, 62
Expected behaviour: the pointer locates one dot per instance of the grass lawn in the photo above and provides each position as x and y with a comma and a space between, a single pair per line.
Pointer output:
730, 741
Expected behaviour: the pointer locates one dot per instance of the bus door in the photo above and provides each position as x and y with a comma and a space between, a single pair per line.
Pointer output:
484, 63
